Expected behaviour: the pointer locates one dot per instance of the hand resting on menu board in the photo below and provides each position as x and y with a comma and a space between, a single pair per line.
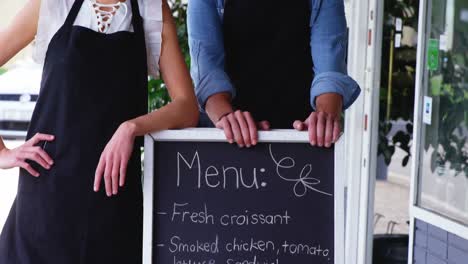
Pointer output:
241, 127
323, 124
238, 126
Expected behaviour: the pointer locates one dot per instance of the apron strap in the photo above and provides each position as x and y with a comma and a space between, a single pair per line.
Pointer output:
137, 20
73, 13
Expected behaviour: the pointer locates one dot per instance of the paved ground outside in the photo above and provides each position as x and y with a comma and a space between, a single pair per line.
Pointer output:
392, 198
391, 206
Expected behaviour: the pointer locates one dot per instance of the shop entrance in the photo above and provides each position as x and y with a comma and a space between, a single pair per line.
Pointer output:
439, 206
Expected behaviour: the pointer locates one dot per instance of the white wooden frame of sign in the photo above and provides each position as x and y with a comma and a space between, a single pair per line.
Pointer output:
216, 135
417, 212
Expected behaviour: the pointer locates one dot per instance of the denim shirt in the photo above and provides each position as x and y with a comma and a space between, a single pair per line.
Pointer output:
328, 41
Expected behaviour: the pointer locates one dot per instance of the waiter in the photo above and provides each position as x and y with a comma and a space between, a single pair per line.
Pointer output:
253, 65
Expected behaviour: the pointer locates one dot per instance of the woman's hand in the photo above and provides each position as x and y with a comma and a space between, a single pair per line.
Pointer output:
11, 158
114, 159
324, 124
240, 127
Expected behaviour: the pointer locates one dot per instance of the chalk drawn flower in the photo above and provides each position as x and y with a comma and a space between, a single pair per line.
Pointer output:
304, 182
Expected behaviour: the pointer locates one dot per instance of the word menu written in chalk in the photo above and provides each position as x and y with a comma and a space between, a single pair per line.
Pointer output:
215, 203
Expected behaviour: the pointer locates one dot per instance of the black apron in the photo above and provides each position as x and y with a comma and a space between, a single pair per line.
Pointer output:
268, 58
92, 82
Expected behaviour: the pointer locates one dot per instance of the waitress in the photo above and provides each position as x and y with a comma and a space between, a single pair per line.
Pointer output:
87, 125
255, 61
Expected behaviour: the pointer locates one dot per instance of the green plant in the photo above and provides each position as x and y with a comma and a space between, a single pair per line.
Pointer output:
2, 71
387, 145
157, 91
385, 148
449, 138
397, 81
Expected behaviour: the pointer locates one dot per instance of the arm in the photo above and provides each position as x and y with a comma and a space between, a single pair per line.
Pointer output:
328, 45
12, 40
212, 85
181, 112
20, 32
18, 35
332, 89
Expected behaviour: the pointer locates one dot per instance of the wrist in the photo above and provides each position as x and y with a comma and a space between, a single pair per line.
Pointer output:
222, 116
218, 106
328, 102
130, 128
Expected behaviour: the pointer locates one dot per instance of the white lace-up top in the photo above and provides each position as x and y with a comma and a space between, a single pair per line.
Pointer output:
104, 18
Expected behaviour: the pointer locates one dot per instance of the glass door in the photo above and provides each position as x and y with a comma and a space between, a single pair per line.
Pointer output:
442, 183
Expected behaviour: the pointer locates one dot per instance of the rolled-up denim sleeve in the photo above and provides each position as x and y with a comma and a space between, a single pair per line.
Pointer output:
328, 45
207, 50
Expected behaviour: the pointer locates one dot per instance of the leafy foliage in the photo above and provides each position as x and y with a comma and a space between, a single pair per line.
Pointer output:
157, 90
2, 71
450, 94
398, 102
447, 136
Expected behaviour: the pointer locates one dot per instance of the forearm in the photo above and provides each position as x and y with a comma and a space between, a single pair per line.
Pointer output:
218, 105
180, 113
183, 110
20, 32
328, 48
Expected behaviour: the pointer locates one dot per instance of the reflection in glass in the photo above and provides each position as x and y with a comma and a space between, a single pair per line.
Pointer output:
444, 162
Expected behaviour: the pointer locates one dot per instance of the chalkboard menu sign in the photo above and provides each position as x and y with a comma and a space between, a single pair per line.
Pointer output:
212, 202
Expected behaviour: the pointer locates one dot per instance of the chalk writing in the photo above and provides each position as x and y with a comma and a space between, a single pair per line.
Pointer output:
183, 213
214, 177
215, 204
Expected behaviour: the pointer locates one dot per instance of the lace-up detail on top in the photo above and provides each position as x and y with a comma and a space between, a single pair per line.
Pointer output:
54, 12
105, 14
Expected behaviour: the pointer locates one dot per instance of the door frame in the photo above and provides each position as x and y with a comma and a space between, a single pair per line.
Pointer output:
417, 212
361, 126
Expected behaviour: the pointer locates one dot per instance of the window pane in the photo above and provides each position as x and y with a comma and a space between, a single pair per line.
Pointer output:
443, 168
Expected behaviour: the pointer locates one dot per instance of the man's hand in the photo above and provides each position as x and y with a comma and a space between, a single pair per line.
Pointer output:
238, 126
241, 128
323, 124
